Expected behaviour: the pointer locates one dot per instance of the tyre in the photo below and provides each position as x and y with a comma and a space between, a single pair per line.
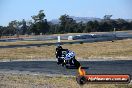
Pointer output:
81, 80
58, 61
64, 63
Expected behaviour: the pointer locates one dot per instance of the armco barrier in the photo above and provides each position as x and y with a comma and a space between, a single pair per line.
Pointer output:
62, 43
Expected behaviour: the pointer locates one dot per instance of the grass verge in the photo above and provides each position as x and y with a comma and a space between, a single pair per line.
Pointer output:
40, 81
120, 49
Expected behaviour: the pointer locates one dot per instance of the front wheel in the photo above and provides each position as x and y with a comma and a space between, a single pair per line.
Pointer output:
60, 61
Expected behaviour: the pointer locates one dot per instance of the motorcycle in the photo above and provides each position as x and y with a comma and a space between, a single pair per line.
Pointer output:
67, 59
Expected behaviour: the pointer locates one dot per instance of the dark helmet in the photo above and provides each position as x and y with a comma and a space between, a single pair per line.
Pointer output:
59, 47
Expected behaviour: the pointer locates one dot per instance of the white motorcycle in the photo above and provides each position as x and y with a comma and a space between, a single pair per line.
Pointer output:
68, 60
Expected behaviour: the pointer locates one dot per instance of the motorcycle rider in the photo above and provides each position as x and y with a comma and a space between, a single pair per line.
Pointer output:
66, 56
69, 55
59, 51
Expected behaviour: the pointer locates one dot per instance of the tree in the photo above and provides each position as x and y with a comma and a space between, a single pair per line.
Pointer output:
80, 27
39, 17
14, 27
107, 17
1, 31
24, 27
122, 24
87, 28
40, 24
95, 26
130, 25
67, 24
91, 26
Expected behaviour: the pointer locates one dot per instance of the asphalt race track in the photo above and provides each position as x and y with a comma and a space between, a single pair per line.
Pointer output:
50, 67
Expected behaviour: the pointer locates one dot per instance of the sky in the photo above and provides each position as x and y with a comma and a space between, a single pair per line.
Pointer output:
23, 9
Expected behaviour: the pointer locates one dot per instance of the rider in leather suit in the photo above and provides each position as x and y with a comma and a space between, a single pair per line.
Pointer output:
59, 51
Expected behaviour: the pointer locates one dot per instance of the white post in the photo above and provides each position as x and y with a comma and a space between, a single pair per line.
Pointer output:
115, 32
58, 38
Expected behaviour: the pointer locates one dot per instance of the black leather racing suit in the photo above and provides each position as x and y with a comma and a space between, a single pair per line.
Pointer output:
59, 54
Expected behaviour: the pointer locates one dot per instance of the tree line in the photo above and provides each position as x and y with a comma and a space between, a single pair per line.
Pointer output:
40, 25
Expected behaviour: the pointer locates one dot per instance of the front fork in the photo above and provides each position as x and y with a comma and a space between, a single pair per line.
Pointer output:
64, 63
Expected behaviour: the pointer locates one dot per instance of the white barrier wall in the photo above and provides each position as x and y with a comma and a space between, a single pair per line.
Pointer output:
70, 38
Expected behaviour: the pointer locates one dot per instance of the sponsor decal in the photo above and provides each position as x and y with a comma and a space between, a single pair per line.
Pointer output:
110, 78
107, 78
